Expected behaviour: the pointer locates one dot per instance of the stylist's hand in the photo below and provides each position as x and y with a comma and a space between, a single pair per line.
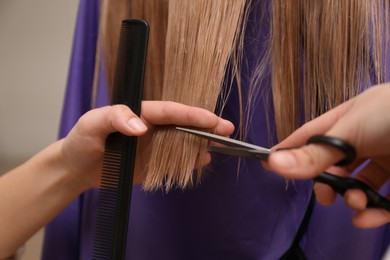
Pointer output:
83, 148
364, 122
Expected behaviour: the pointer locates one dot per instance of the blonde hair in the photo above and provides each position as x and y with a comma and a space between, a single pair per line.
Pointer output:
321, 53
339, 46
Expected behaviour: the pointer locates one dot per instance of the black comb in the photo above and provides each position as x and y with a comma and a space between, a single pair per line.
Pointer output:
119, 157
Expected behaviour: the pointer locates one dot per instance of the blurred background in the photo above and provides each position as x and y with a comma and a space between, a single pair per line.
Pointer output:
35, 45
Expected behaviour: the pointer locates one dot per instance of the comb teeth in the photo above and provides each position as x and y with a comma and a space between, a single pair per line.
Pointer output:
114, 198
109, 196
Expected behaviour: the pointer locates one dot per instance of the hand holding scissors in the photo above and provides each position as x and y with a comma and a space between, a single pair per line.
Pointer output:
340, 184
363, 122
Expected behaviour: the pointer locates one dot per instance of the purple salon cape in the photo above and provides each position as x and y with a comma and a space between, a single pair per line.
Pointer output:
252, 215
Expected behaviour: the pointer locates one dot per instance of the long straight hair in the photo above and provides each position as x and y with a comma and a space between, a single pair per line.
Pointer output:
321, 52
339, 47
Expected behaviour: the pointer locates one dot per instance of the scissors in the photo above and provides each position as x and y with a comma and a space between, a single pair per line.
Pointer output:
339, 184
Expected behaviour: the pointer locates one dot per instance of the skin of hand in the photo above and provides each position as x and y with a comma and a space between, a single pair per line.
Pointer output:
120, 119
36, 191
363, 122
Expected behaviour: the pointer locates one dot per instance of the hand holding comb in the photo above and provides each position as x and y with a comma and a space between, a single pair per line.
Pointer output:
119, 157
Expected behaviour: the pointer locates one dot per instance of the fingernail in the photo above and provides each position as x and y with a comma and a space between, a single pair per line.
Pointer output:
284, 160
136, 124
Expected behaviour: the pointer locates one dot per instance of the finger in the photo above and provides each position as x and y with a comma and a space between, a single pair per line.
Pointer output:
355, 199
374, 176
172, 113
371, 218
206, 159
103, 121
304, 162
325, 195
266, 165
224, 127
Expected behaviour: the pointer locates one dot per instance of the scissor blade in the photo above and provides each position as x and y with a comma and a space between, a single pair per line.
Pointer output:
224, 140
241, 152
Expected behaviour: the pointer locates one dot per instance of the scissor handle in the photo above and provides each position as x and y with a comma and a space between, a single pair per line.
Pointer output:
348, 150
342, 184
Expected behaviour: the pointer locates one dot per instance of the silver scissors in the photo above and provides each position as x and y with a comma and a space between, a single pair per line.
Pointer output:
339, 184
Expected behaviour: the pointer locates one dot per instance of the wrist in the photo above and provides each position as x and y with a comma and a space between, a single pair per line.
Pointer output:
66, 178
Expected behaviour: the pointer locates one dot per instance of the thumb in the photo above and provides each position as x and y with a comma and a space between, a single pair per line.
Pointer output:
304, 162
